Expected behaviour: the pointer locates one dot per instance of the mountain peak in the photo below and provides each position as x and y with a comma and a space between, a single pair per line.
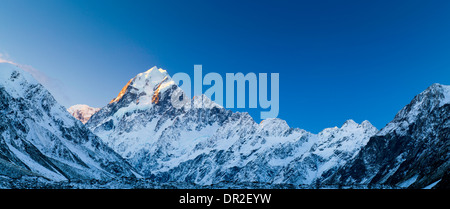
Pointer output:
421, 106
366, 124
203, 101
350, 125
411, 150
153, 75
82, 112
435, 95
274, 124
150, 78
442, 92
437, 89
148, 85
437, 86
13, 78
350, 122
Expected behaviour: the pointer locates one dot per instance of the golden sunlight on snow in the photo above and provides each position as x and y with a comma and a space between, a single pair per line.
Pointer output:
121, 93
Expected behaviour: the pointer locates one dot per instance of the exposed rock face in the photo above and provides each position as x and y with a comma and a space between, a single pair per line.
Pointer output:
413, 150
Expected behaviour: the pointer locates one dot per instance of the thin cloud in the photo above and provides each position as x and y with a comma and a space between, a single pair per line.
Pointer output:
4, 59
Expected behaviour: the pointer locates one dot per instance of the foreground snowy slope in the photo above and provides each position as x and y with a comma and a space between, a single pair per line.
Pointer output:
206, 144
38, 137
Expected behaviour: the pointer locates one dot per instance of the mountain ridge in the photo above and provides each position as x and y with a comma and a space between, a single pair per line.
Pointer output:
412, 151
39, 138
162, 141
204, 144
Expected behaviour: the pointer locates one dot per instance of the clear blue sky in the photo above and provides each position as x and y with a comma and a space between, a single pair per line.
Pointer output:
338, 60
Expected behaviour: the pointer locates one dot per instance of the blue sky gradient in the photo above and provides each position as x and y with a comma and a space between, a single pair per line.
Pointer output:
338, 60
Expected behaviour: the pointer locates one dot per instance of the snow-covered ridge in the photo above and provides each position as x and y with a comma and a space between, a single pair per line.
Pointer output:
38, 137
15, 80
412, 151
147, 83
435, 96
203, 101
173, 144
151, 77
206, 144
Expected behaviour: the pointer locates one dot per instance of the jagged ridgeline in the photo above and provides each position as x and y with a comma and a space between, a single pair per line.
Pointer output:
413, 150
205, 144
139, 133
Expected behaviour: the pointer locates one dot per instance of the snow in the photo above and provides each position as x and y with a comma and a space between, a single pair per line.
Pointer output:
82, 112
275, 125
147, 81
132, 107
46, 126
16, 86
408, 182
159, 143
152, 76
83, 154
36, 167
399, 160
186, 144
432, 184
350, 138
446, 93
187, 147
154, 80
203, 101
243, 137
84, 109
420, 104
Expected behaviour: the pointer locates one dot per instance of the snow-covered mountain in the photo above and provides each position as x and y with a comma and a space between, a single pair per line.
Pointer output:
204, 143
82, 112
39, 138
413, 150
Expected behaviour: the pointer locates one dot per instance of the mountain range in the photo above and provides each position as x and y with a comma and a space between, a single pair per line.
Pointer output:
139, 136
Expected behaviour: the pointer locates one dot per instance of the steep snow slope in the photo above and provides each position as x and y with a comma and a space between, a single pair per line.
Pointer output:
38, 137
